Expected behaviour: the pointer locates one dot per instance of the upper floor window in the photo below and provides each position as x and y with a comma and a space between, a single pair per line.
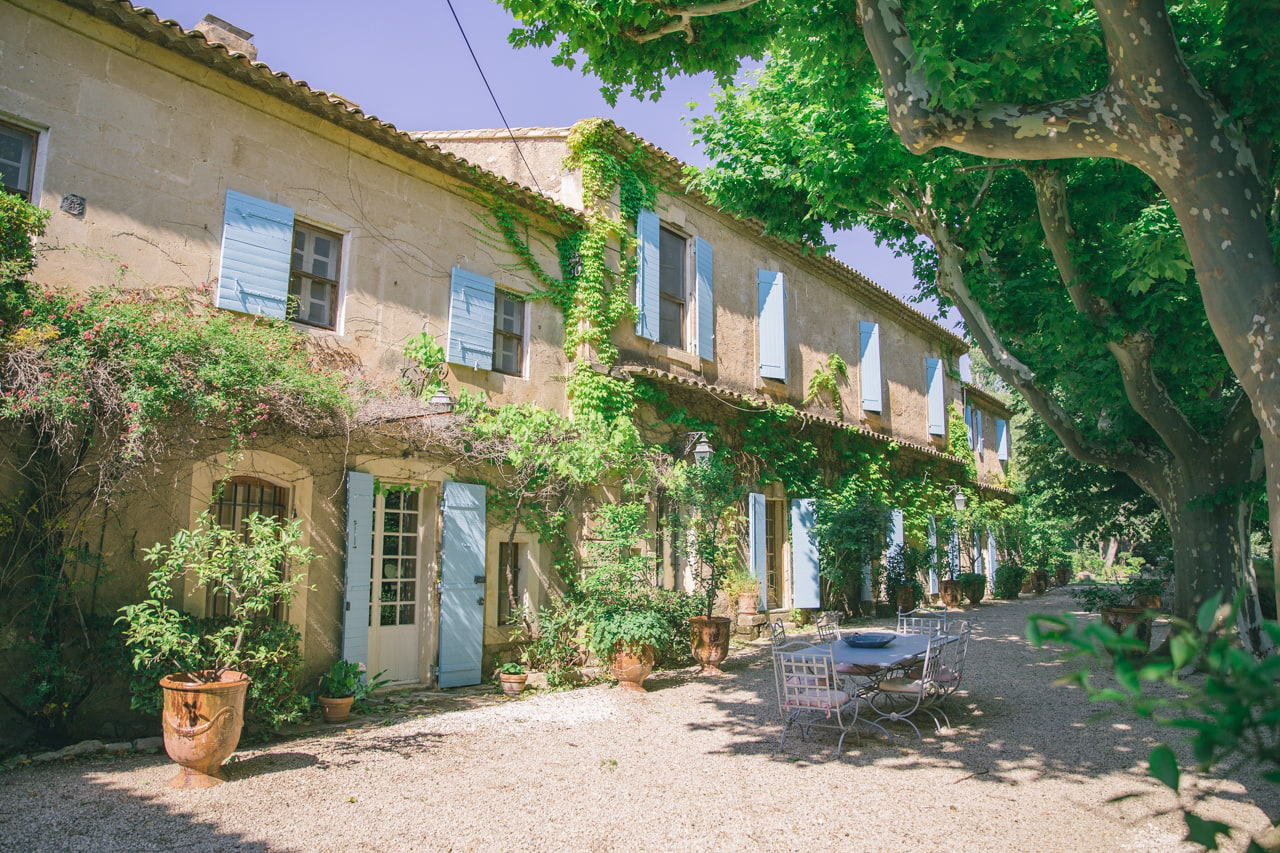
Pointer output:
313, 276
17, 159
508, 334
672, 289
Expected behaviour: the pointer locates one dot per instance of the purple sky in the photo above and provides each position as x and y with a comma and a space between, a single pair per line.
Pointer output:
405, 62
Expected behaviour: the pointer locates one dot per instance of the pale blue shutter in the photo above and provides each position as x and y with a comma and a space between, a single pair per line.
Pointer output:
933, 556
647, 272
471, 301
702, 261
359, 568
772, 324
977, 553
968, 422
937, 411
462, 584
257, 247
757, 555
954, 551
1002, 439
992, 562
977, 432
870, 360
896, 533
806, 589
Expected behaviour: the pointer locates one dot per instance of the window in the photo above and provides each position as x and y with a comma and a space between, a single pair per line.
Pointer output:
672, 293
775, 538
508, 334
17, 159
509, 557
313, 276
395, 557
239, 498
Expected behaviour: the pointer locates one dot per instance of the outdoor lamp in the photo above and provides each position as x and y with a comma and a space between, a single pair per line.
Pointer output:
960, 500
442, 402
702, 450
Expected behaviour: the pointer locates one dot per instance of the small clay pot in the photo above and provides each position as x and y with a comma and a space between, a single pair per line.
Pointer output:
336, 710
512, 684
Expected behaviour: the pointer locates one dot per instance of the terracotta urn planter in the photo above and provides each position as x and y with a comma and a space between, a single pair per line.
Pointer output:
631, 669
512, 683
1150, 601
1062, 575
1039, 581
749, 603
951, 593
710, 642
202, 724
905, 597
1120, 618
336, 710
975, 591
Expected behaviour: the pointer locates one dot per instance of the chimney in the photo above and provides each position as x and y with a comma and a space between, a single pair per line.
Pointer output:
234, 39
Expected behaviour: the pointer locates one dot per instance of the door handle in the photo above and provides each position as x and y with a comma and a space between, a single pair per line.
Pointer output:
480, 601
479, 579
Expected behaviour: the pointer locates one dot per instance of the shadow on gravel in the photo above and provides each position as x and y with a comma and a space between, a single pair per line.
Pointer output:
405, 746
271, 762
1011, 724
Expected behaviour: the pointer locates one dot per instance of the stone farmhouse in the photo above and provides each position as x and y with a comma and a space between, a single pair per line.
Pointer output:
171, 158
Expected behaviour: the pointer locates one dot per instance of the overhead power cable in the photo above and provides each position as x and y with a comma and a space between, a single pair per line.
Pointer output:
492, 96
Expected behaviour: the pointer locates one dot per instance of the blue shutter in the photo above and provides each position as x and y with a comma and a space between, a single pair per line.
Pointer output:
1002, 439
806, 590
933, 556
977, 432
772, 324
977, 554
257, 247
647, 272
954, 551
992, 562
462, 584
896, 534
870, 359
359, 568
937, 411
702, 261
757, 556
968, 422
471, 300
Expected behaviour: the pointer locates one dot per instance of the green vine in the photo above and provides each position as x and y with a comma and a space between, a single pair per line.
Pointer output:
826, 379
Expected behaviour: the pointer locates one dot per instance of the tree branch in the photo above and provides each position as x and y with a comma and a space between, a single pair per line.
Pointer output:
684, 18
1146, 393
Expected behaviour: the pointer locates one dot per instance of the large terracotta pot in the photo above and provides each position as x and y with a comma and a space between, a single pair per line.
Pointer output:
1062, 575
710, 641
336, 709
1040, 581
1120, 618
631, 669
952, 593
749, 603
202, 725
975, 591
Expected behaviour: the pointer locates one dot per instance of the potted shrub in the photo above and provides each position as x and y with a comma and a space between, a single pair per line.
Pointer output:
627, 639
903, 566
512, 675
743, 589
1009, 578
343, 687
974, 585
1124, 607
703, 526
949, 589
250, 570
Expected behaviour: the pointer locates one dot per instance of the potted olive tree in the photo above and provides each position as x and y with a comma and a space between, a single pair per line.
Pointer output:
704, 521
249, 572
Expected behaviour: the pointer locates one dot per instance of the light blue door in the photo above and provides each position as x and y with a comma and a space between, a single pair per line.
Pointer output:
806, 584
757, 542
462, 585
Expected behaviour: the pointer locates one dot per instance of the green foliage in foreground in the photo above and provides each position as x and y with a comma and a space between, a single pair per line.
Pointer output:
1229, 709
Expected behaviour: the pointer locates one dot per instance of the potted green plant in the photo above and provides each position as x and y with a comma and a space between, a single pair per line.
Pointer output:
345, 686
1124, 606
903, 566
1009, 578
974, 585
626, 639
949, 589
703, 524
249, 571
743, 589
512, 675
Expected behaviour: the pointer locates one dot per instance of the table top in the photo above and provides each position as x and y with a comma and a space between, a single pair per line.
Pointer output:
903, 648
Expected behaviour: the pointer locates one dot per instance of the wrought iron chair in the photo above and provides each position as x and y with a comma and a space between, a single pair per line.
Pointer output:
777, 633
809, 694
828, 628
931, 622
898, 698
951, 668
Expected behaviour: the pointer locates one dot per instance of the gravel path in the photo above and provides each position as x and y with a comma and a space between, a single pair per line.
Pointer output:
692, 763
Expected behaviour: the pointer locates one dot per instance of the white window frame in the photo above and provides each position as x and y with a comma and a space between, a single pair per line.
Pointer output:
687, 274
513, 296
39, 146
339, 283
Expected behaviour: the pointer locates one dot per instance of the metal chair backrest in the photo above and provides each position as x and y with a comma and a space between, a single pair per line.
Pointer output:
952, 658
917, 622
807, 679
777, 633
828, 630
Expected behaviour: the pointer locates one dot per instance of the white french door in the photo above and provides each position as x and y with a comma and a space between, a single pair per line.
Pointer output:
396, 585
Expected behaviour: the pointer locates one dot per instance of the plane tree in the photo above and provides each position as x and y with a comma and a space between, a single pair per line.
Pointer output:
1190, 106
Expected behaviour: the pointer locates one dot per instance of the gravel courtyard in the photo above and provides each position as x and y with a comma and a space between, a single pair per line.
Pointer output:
692, 764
